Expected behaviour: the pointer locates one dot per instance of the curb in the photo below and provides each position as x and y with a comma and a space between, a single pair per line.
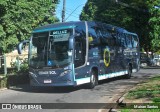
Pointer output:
119, 100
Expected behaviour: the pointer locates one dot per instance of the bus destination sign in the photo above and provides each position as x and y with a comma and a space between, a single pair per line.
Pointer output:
60, 35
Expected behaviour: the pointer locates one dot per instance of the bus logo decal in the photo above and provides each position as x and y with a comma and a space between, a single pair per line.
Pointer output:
52, 72
106, 56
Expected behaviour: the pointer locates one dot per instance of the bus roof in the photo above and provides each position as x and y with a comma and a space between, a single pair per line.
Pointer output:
56, 26
130, 33
119, 29
72, 24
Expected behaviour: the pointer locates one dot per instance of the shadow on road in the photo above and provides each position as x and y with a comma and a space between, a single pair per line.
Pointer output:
30, 89
111, 80
136, 77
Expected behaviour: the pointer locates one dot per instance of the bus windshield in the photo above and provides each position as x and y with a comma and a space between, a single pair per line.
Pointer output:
50, 49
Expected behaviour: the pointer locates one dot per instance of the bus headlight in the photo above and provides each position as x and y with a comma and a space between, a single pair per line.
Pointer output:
65, 73
32, 74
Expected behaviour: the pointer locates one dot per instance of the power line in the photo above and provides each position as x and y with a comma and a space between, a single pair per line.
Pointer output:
76, 16
61, 8
68, 12
64, 11
73, 15
73, 11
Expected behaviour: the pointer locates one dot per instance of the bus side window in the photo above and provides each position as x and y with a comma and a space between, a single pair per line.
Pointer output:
118, 39
129, 41
123, 40
107, 38
93, 39
135, 41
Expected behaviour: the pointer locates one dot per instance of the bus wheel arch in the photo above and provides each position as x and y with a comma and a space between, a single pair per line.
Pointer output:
129, 71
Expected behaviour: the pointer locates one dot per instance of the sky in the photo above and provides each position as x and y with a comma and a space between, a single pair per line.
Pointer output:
71, 5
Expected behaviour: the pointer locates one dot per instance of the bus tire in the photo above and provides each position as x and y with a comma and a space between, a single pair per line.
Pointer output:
93, 80
129, 74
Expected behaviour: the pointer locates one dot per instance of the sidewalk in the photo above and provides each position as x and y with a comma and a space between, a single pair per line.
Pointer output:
151, 67
144, 92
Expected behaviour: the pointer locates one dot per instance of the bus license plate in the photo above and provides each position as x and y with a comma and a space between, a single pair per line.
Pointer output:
47, 81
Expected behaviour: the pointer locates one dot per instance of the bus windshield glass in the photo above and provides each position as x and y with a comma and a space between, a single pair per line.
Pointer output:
50, 49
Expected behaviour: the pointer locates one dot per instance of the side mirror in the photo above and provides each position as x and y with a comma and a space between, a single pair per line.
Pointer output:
20, 45
19, 48
71, 42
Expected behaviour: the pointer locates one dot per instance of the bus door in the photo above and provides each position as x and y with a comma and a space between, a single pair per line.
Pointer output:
79, 57
78, 53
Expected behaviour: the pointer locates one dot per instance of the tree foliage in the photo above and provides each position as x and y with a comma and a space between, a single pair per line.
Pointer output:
154, 21
19, 17
137, 16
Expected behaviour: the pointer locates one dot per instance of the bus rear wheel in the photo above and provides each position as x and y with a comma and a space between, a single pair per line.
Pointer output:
129, 70
93, 80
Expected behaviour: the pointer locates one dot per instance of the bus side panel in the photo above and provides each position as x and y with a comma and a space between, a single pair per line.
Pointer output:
135, 53
82, 74
113, 67
135, 60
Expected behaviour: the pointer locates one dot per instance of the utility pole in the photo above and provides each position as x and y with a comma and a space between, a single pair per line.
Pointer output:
64, 10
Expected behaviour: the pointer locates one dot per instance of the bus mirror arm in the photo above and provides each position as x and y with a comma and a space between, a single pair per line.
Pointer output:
20, 45
71, 42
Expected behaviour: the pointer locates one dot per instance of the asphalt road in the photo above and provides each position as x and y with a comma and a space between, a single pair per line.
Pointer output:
106, 92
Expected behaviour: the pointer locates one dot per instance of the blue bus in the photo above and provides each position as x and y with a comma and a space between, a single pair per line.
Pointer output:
83, 52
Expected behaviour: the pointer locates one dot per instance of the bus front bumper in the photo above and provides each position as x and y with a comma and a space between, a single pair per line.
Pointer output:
34, 82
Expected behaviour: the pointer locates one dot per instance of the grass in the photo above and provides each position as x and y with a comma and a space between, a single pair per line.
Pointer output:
149, 89
140, 110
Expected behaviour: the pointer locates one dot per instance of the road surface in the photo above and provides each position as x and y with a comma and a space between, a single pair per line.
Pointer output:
106, 92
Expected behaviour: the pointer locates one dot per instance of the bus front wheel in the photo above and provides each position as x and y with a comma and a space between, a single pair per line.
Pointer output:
93, 80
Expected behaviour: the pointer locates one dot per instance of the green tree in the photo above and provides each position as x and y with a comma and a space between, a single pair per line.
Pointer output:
89, 10
154, 8
133, 15
19, 17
